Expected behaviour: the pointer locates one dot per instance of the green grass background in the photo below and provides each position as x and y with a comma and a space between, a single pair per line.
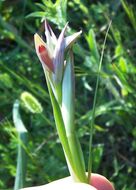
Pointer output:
114, 138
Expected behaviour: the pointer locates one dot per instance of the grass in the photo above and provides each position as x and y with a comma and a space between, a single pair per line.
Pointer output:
114, 145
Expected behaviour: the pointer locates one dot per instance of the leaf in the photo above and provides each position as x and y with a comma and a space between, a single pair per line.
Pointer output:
63, 137
22, 156
97, 156
93, 46
36, 14
122, 78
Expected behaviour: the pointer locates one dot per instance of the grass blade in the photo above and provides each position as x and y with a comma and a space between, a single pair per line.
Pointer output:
94, 106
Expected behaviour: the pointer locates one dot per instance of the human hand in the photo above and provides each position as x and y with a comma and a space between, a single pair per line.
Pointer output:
98, 182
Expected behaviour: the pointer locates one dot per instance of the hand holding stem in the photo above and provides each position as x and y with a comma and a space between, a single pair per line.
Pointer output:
98, 182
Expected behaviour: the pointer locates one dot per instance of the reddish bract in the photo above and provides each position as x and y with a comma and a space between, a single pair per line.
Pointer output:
45, 57
41, 48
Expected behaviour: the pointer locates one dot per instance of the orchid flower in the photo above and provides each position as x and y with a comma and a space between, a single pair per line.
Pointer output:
51, 55
57, 61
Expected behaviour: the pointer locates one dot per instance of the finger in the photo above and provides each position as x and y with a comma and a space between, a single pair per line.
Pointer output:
100, 182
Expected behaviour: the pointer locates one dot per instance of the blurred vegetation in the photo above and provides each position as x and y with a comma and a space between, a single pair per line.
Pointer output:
114, 143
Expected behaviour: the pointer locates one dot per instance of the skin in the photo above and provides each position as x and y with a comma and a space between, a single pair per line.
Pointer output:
98, 182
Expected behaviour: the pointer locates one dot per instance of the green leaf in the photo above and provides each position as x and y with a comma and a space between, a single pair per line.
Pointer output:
67, 110
22, 156
93, 46
5, 80
59, 123
36, 14
64, 139
122, 78
123, 65
97, 156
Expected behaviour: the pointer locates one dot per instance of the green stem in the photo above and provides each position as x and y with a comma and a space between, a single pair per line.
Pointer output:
60, 125
68, 113
78, 159
94, 106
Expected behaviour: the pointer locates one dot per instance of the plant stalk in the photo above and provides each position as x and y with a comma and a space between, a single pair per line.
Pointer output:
94, 106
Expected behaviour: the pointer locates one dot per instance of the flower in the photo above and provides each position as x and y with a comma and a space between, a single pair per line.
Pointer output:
43, 53
57, 60
52, 55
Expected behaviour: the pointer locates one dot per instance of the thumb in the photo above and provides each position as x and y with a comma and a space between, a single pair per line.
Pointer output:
100, 182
